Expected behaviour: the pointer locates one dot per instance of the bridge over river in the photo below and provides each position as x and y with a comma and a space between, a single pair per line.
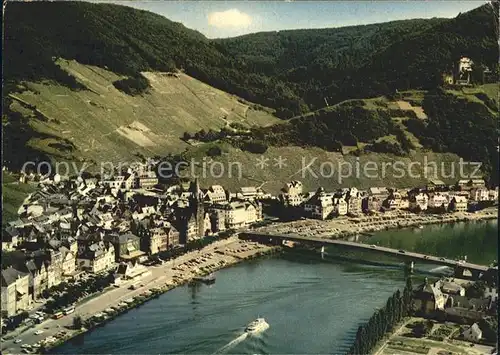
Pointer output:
462, 268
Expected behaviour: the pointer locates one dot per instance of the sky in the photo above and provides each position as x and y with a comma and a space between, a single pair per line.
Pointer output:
218, 19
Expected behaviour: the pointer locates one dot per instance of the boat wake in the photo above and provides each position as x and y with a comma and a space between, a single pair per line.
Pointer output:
232, 344
440, 268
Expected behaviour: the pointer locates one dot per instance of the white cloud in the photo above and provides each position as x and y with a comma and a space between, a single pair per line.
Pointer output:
229, 18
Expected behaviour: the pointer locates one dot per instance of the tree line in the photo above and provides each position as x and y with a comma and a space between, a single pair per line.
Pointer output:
383, 320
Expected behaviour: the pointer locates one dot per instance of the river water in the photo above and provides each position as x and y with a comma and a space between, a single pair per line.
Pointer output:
312, 305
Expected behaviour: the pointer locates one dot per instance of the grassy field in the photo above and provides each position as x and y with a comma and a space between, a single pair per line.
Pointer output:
105, 124
491, 90
13, 195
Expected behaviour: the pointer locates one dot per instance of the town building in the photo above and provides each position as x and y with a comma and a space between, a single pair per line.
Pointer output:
218, 220
127, 246
147, 179
320, 205
38, 278
419, 202
161, 239
15, 292
428, 299
435, 184
438, 200
405, 203
97, 257
250, 193
466, 185
479, 194
393, 201
450, 288
129, 271
236, 214
10, 238
464, 71
458, 204
375, 198
354, 202
459, 308
293, 194
473, 334
68, 262
493, 194
193, 220
340, 206
491, 292
216, 194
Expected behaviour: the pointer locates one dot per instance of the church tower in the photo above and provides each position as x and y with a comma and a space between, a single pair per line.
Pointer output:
197, 208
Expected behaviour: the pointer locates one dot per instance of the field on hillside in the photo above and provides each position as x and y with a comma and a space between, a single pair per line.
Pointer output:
104, 124
313, 166
13, 195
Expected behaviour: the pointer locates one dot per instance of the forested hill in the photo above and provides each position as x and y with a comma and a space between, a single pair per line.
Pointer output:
312, 63
291, 71
419, 60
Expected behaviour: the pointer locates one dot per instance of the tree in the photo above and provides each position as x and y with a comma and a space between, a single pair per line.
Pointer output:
476, 290
77, 322
489, 327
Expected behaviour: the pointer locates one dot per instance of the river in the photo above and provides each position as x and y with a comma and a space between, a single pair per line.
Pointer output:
312, 305
477, 240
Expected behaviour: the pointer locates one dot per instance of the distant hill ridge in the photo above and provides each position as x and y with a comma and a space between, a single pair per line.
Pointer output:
72, 72
291, 71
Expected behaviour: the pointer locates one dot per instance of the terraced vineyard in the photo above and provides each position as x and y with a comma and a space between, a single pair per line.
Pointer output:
102, 123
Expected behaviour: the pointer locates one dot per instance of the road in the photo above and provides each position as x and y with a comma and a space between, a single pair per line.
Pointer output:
159, 276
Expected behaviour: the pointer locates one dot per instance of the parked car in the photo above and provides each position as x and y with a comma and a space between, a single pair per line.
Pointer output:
17, 341
38, 332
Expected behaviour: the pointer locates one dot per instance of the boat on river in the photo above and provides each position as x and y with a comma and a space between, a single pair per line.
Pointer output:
257, 326
208, 279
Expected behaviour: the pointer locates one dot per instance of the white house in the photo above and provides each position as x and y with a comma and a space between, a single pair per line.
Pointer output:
15, 291
458, 204
293, 193
34, 210
320, 205
437, 200
354, 203
479, 194
491, 292
216, 194
341, 206
97, 257
464, 70
493, 194
473, 334
419, 201
236, 214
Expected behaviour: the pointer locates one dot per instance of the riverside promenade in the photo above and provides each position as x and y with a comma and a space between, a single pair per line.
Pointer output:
351, 227
222, 254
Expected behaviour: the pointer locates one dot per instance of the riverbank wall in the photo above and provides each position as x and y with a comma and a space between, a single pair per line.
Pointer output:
351, 228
